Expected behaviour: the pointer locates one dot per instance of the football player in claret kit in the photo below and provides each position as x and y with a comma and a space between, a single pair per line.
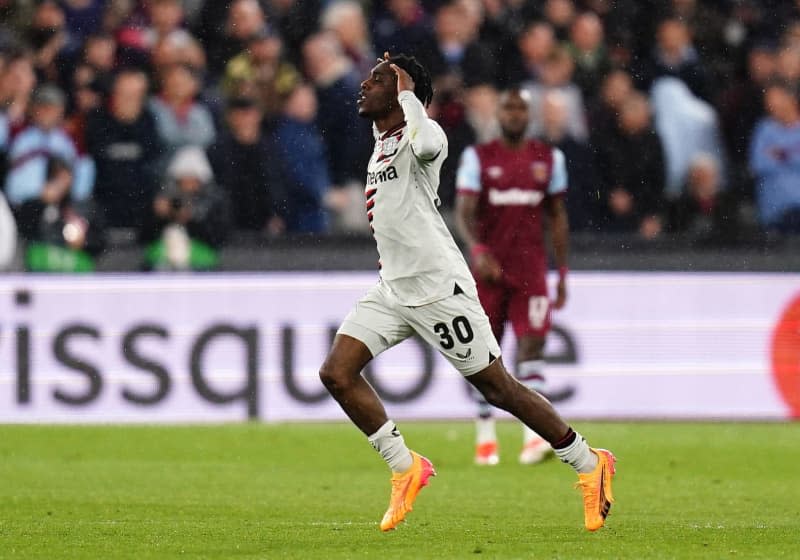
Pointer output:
505, 189
426, 288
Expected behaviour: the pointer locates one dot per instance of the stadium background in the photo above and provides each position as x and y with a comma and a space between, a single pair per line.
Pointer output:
692, 287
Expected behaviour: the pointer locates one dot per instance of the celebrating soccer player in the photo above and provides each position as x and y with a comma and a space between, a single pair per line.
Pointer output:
504, 188
426, 288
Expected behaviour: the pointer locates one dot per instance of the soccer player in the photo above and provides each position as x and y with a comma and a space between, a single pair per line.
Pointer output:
505, 187
426, 288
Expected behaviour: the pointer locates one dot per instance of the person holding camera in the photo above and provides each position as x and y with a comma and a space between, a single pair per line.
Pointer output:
189, 219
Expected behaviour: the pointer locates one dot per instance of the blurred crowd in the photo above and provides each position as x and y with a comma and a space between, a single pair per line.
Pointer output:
183, 121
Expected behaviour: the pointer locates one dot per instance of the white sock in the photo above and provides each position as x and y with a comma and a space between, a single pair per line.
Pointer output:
485, 431
530, 374
390, 444
578, 455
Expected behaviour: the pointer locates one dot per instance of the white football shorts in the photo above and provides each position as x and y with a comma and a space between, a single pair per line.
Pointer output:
456, 326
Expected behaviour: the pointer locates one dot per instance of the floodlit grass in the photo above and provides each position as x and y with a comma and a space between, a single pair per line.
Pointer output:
318, 491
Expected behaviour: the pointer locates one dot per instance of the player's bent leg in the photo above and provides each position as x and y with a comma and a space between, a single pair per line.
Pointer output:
595, 468
341, 375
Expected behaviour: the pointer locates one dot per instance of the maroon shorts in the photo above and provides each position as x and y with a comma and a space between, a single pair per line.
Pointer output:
527, 309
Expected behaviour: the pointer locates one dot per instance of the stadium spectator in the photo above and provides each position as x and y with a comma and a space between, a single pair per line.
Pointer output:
400, 25
588, 50
561, 15
686, 125
49, 39
535, 44
189, 218
247, 167
83, 18
582, 202
604, 111
165, 17
243, 20
775, 160
347, 20
8, 235
556, 75
632, 172
30, 149
178, 48
261, 71
741, 105
453, 52
674, 55
337, 90
704, 211
16, 86
180, 119
62, 234
124, 143
303, 152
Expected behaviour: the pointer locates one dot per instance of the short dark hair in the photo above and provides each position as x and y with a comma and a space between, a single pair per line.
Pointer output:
423, 84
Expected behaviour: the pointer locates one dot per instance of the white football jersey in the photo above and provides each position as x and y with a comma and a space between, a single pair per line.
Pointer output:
419, 260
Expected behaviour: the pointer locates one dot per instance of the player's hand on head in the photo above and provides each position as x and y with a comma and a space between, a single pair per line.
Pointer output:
404, 81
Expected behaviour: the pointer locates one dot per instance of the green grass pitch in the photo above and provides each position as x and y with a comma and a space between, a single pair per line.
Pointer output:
318, 491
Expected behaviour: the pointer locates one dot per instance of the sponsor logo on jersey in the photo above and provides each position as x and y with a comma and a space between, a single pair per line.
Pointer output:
494, 171
539, 171
515, 197
375, 177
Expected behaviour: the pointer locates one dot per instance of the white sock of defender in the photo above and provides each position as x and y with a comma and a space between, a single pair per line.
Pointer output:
575, 451
390, 444
529, 373
485, 431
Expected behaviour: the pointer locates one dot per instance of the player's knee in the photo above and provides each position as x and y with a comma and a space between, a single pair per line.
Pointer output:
332, 377
499, 392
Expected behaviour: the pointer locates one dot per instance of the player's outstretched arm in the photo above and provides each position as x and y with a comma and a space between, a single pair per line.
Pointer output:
427, 139
558, 222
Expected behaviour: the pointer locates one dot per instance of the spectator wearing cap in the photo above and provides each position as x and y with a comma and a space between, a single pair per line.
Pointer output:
775, 159
62, 234
122, 139
189, 218
248, 168
180, 119
261, 71
30, 150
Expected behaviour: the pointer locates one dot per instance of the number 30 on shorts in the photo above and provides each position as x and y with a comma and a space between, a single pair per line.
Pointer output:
538, 306
461, 328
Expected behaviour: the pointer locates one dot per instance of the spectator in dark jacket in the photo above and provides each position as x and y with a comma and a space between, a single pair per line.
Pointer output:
248, 168
123, 140
303, 150
633, 172
348, 137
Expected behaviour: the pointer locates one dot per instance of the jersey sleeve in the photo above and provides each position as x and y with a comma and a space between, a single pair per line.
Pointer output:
427, 139
558, 177
468, 177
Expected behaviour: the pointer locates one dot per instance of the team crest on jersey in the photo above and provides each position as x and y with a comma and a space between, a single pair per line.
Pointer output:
494, 171
539, 171
388, 148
